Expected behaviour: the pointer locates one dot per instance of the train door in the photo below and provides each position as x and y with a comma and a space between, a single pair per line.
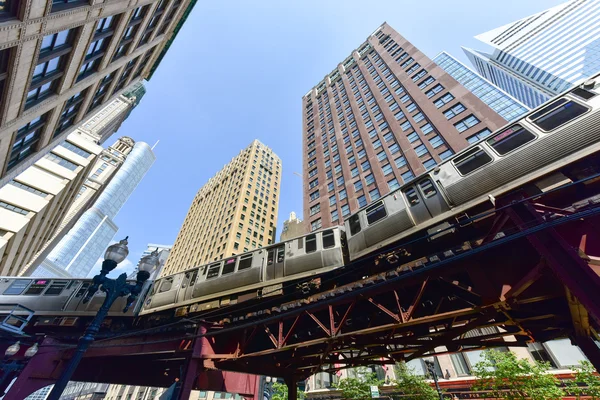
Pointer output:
424, 201
187, 285
275, 261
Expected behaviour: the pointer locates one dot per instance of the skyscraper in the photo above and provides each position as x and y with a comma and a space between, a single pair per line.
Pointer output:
234, 212
385, 115
62, 60
497, 99
539, 56
81, 247
109, 162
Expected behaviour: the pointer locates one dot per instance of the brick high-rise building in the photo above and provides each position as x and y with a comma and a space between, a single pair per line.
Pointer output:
234, 212
385, 115
61, 60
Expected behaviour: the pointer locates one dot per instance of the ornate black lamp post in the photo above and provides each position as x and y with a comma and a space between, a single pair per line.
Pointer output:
431, 368
12, 368
114, 288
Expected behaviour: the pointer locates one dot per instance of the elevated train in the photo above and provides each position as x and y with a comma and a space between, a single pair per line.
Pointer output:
558, 133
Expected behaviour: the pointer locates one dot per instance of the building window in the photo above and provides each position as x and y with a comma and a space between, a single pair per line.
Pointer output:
454, 111
393, 184
362, 201
345, 210
129, 34
408, 176
334, 215
374, 194
97, 49
79, 151
102, 91
314, 225
53, 56
69, 114
61, 5
369, 179
169, 17
143, 64
315, 209
4, 59
126, 74
26, 139
466, 123
358, 186
12, 208
387, 169
479, 135
61, 161
435, 90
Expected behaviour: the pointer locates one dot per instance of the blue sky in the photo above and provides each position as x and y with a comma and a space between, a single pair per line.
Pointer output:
238, 70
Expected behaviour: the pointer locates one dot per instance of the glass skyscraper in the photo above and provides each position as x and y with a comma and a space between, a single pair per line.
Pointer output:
497, 99
84, 244
542, 55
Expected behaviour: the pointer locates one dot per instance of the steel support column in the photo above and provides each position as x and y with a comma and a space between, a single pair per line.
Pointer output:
292, 384
192, 368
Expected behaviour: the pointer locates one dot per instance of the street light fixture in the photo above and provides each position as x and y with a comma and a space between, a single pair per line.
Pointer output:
12, 368
114, 288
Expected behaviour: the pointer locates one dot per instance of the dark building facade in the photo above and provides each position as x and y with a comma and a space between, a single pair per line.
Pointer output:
384, 116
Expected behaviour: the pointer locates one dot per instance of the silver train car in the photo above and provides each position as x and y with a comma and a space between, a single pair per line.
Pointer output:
56, 302
256, 273
556, 134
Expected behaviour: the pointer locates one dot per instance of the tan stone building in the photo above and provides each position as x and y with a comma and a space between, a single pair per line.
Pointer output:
62, 59
33, 204
292, 228
234, 212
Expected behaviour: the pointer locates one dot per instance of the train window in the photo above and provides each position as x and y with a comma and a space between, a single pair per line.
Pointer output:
510, 139
270, 257
280, 254
300, 243
354, 223
558, 113
37, 287
427, 188
328, 239
245, 262
166, 285
412, 196
544, 110
471, 160
213, 271
376, 212
311, 244
583, 93
56, 288
86, 285
17, 287
229, 266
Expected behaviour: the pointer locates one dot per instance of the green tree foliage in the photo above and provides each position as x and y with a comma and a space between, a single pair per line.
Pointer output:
412, 385
280, 392
586, 383
358, 388
507, 377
